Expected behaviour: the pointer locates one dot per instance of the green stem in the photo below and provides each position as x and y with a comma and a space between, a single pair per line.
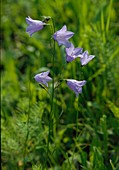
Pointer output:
53, 88
76, 125
77, 113
53, 54
109, 17
51, 114
27, 125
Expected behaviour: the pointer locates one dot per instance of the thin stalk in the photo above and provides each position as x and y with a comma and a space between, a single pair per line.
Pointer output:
76, 138
27, 125
77, 113
53, 88
103, 27
53, 61
51, 114
76, 125
53, 75
109, 16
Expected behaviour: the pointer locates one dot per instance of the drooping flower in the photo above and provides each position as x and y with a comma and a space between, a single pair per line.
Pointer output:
43, 78
34, 25
85, 58
62, 36
75, 85
72, 53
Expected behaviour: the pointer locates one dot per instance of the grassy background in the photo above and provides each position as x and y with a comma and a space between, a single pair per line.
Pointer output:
92, 143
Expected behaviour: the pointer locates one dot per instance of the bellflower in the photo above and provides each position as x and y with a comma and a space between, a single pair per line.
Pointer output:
43, 78
85, 58
62, 36
72, 53
34, 25
75, 85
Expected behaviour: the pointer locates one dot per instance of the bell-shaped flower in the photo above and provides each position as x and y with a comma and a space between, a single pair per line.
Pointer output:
62, 36
43, 78
34, 25
72, 53
85, 58
75, 85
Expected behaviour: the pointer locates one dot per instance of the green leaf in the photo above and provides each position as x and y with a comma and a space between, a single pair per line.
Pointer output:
113, 108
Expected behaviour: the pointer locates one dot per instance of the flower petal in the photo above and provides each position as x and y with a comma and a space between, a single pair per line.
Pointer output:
86, 58
62, 36
72, 53
44, 73
69, 34
63, 29
34, 25
29, 20
78, 51
43, 78
75, 85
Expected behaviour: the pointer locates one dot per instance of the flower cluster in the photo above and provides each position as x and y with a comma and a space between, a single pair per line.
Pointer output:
62, 37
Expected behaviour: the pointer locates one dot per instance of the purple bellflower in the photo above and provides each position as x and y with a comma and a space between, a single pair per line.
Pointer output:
72, 53
85, 58
75, 85
62, 36
43, 78
34, 25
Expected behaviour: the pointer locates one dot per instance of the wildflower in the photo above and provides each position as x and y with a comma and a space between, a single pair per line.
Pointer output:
75, 85
72, 53
62, 36
43, 78
34, 25
85, 58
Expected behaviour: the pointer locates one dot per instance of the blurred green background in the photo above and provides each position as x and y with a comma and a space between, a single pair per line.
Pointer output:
25, 105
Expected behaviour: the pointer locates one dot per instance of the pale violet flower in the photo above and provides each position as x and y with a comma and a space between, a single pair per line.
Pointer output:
85, 58
72, 53
34, 25
43, 78
75, 85
62, 36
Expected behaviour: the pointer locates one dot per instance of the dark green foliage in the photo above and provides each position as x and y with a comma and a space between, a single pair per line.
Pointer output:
90, 142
